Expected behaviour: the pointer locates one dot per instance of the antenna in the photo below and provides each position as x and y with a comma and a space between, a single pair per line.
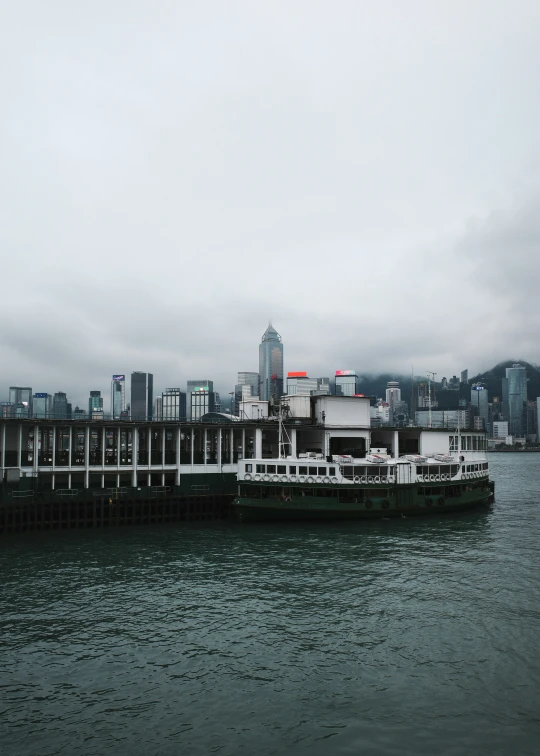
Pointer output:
431, 377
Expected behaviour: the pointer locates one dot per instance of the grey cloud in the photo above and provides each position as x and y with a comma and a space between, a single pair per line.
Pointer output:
175, 178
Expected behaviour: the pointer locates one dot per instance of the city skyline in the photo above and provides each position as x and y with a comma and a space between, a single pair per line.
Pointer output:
358, 179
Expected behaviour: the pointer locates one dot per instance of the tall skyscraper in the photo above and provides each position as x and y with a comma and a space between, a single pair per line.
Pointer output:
60, 406
515, 399
118, 395
42, 405
464, 376
201, 398
173, 404
346, 383
142, 396
21, 395
270, 365
95, 404
479, 402
393, 398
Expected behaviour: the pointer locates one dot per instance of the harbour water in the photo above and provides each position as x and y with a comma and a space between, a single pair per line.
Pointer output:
414, 636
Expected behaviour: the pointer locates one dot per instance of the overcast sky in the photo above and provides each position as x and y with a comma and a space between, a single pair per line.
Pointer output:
175, 174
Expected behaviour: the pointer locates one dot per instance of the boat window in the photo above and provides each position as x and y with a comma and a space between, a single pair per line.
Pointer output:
313, 471
292, 469
270, 468
282, 469
359, 471
454, 469
260, 468
331, 471
322, 470
453, 443
249, 468
302, 470
348, 472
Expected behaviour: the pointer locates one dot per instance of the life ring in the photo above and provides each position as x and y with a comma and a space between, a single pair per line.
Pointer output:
432, 478
256, 477
363, 479
310, 479
266, 478
356, 479
318, 479
437, 478
384, 478
326, 479
284, 479
302, 479
247, 476
377, 479
333, 480
370, 479
368, 504
292, 478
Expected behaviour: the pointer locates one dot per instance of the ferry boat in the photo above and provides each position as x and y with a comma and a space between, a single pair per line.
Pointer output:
447, 472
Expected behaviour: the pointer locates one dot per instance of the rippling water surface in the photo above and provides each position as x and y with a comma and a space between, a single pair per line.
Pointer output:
416, 636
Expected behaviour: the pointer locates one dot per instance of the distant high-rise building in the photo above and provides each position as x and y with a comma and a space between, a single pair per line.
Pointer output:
346, 383
173, 404
464, 376
79, 414
500, 429
142, 396
323, 385
60, 406
515, 399
118, 396
95, 404
270, 365
200, 398
479, 402
21, 395
453, 383
8, 409
42, 405
393, 396
158, 408
299, 383
202, 402
249, 379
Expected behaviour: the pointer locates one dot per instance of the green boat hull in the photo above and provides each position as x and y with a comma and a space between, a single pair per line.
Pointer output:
402, 502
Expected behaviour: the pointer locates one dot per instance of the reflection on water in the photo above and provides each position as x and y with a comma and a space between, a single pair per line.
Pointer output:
407, 636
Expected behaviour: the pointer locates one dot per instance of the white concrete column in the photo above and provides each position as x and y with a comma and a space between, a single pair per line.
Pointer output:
219, 449
70, 447
149, 434
178, 443
3, 446
134, 454
293, 442
192, 446
118, 440
231, 447
395, 444
258, 443
205, 446
53, 448
103, 442
36, 449
19, 447
87, 457
243, 443
163, 447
